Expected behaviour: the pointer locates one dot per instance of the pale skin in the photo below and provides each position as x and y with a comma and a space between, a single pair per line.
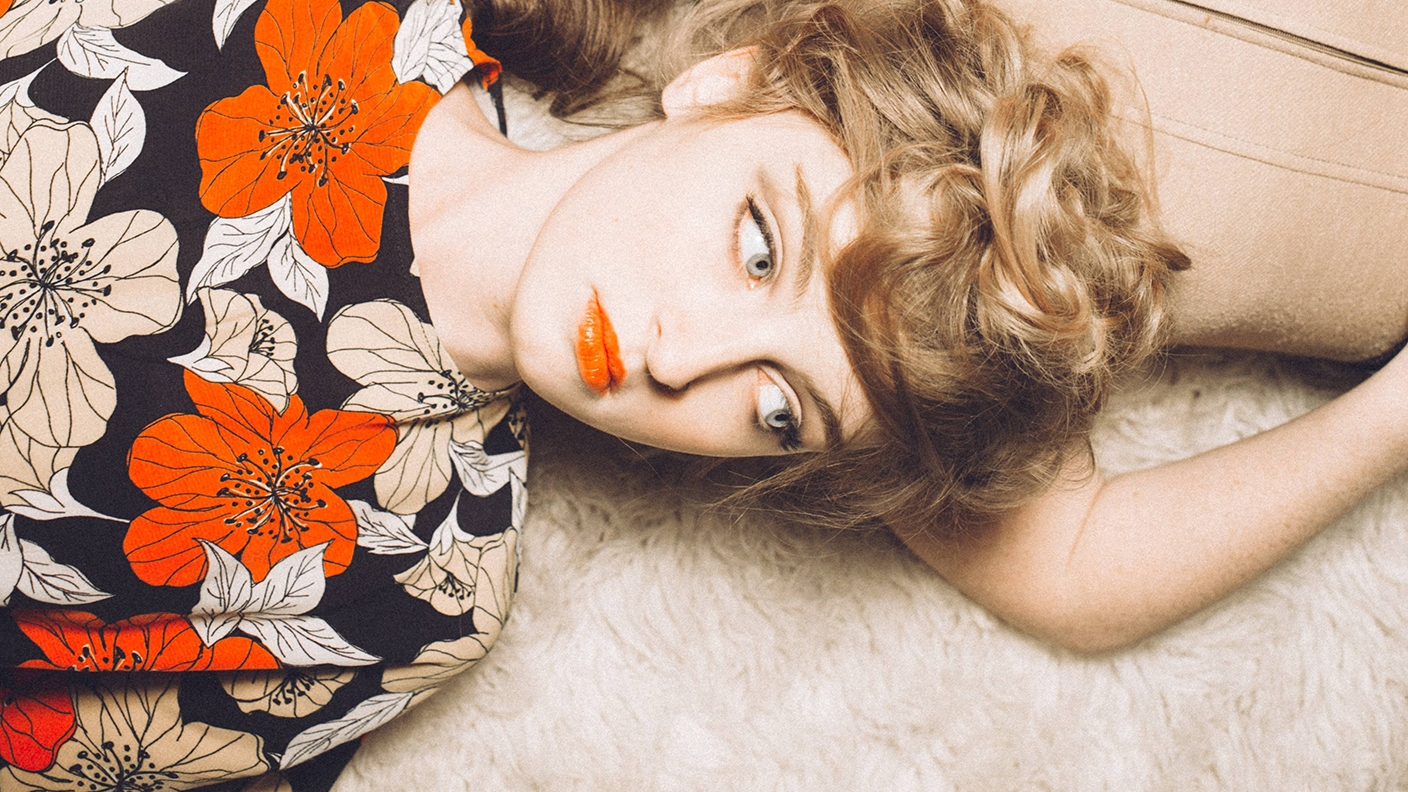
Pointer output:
1094, 564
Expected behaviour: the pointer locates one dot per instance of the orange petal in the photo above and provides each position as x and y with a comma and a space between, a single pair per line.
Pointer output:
340, 222
290, 37
392, 120
162, 549
234, 179
180, 457
155, 642
359, 52
241, 410
36, 716
59, 634
349, 446
235, 653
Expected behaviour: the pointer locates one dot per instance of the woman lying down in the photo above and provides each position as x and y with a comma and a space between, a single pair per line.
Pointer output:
274, 287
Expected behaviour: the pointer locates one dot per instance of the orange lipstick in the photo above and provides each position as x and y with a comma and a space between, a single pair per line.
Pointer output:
598, 356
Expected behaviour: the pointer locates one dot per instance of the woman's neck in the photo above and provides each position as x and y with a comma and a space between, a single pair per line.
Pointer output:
477, 203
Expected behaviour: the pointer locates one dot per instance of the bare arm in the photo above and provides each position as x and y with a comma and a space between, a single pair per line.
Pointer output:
1099, 563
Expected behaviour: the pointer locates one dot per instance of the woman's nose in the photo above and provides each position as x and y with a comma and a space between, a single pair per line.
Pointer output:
686, 349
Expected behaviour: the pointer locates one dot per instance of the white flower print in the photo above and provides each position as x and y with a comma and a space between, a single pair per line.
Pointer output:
286, 692
409, 376
66, 283
30, 24
463, 573
245, 343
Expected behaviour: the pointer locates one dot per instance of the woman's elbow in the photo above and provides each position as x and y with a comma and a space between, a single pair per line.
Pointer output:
1081, 626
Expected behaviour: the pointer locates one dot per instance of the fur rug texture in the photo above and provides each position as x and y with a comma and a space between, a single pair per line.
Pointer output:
656, 645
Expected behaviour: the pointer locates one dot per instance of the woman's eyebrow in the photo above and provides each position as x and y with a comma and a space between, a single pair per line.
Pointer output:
806, 262
806, 259
830, 422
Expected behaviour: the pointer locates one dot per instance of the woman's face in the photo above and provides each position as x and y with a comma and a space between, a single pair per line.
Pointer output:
674, 298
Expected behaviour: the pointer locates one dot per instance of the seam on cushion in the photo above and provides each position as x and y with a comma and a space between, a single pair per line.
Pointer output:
1355, 47
1278, 158
1281, 39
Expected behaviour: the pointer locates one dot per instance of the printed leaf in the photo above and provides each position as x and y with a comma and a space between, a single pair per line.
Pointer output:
366, 716
199, 361
298, 276
305, 641
430, 44
230, 599
93, 52
236, 245
226, 593
18, 90
384, 533
57, 502
227, 15
11, 559
482, 474
404, 179
294, 586
45, 580
121, 127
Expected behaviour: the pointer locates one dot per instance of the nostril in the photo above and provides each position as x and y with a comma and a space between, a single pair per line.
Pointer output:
666, 390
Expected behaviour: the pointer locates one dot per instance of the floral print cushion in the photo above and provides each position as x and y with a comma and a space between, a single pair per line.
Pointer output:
249, 508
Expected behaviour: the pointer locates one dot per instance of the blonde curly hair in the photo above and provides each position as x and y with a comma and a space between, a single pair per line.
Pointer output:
1008, 264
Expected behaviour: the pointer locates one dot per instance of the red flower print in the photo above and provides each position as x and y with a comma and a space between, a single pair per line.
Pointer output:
332, 121
256, 482
36, 716
78, 641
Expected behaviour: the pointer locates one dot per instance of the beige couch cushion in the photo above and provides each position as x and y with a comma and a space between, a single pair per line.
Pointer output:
1281, 154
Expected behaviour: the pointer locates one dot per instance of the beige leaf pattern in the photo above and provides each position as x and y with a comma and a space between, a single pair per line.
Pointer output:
26, 465
286, 694
434, 665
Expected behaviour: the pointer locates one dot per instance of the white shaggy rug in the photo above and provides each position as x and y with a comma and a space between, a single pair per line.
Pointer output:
656, 646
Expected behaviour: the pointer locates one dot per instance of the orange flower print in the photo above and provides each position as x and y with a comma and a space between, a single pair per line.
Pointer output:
78, 641
332, 121
36, 716
255, 482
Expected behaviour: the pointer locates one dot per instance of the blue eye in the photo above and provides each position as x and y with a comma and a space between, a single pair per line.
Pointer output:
776, 415
755, 246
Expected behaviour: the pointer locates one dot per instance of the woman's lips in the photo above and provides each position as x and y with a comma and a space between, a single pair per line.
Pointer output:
598, 356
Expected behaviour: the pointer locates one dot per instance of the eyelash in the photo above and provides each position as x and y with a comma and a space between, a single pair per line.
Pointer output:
753, 211
789, 436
